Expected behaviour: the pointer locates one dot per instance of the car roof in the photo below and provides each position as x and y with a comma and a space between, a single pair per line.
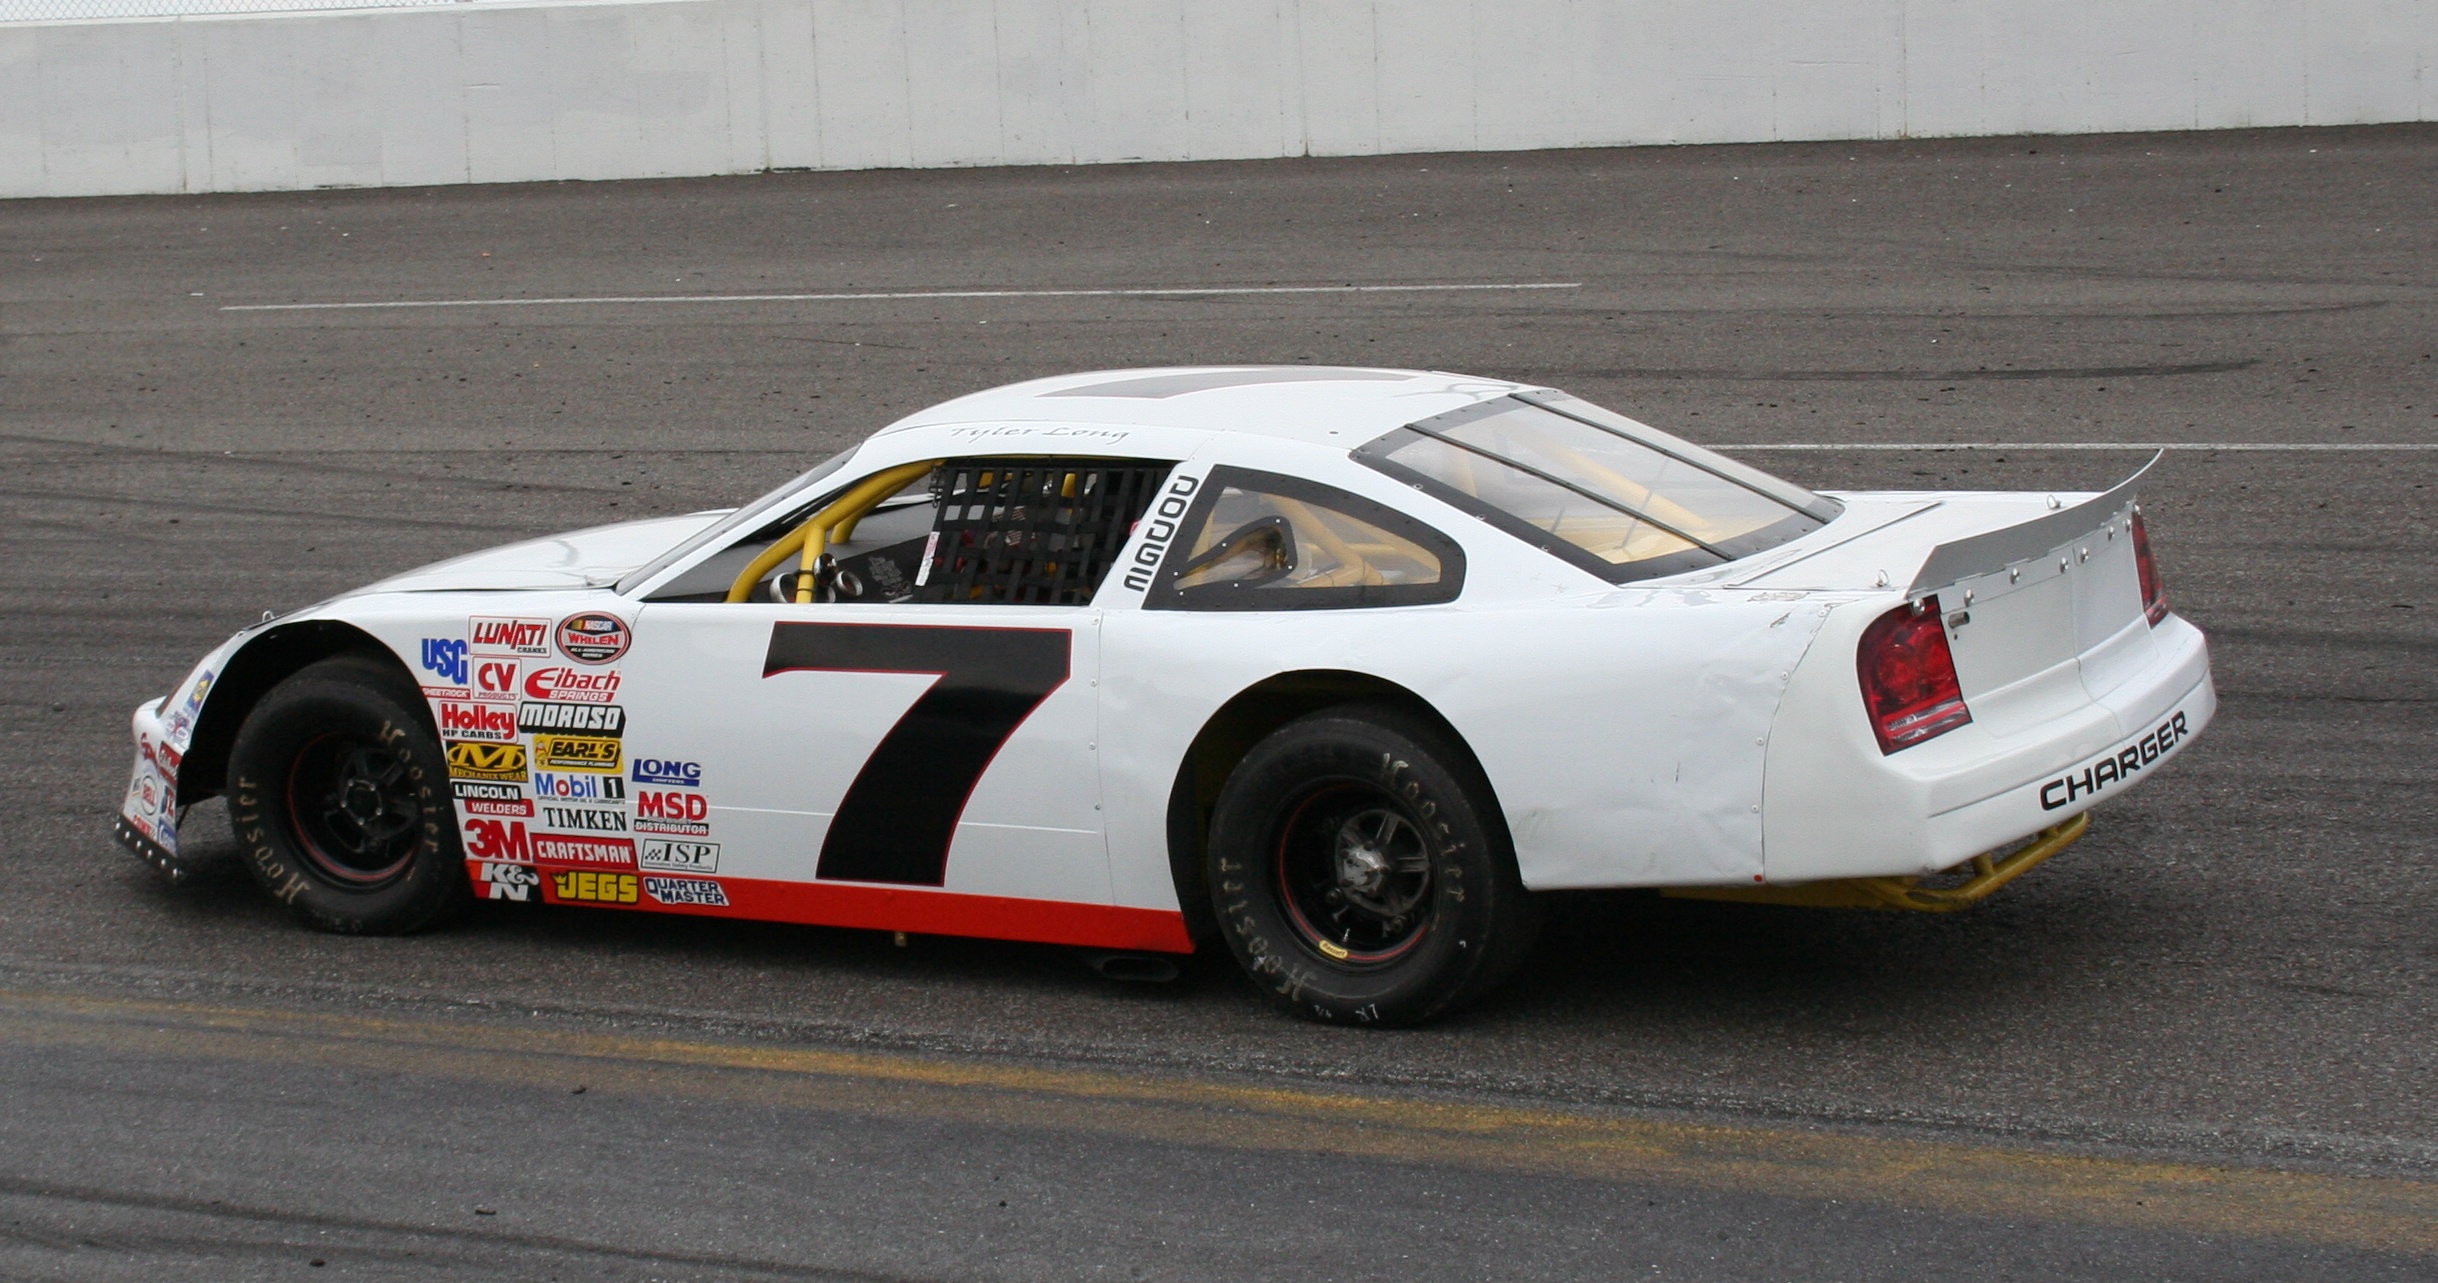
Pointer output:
1323, 405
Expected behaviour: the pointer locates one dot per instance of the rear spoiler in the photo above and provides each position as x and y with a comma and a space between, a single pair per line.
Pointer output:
2039, 538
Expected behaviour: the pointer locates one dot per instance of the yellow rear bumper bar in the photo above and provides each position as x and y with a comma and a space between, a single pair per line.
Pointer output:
1984, 874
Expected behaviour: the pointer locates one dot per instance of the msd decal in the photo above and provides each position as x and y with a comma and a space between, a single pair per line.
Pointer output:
593, 638
525, 638
509, 881
675, 811
487, 722
495, 680
661, 770
572, 685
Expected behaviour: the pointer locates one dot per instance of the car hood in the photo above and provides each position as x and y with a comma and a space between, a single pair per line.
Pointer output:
590, 558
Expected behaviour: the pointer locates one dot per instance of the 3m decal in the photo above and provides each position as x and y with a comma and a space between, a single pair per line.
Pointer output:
498, 840
570, 848
476, 722
574, 685
685, 891
672, 811
680, 857
576, 753
2117, 768
593, 638
495, 680
582, 786
491, 635
583, 887
445, 658
509, 881
660, 770
589, 719
897, 818
479, 761
1160, 527
586, 819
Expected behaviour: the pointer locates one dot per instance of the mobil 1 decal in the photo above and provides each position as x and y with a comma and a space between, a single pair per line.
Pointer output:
898, 817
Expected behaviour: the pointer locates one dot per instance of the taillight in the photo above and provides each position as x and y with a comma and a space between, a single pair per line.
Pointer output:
2154, 593
1908, 677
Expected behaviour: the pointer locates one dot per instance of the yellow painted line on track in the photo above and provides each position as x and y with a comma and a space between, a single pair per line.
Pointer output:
2018, 1184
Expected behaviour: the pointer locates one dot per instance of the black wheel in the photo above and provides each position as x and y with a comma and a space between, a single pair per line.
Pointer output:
340, 800
1361, 872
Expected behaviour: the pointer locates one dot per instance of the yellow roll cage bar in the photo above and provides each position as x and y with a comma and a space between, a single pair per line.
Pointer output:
1982, 875
838, 518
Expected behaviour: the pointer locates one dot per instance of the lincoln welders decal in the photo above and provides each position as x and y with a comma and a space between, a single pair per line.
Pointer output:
2126, 762
899, 815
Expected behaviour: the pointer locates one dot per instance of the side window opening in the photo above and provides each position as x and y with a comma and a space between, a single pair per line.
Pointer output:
1262, 541
1019, 531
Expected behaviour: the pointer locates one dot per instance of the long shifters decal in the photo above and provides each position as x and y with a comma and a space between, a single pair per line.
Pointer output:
900, 814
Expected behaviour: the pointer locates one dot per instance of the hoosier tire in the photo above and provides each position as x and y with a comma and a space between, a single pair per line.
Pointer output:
1361, 872
339, 797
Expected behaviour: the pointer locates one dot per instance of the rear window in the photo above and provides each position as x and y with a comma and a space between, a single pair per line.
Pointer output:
1620, 499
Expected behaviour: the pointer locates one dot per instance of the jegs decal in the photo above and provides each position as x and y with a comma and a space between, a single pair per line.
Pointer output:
586, 887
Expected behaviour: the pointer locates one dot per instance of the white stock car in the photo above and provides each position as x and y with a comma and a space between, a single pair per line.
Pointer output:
1339, 666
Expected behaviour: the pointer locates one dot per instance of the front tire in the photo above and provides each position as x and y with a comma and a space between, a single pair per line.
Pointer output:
339, 797
1361, 871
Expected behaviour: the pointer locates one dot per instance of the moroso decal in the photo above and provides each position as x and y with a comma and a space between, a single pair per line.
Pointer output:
570, 848
491, 635
476, 761
576, 753
574, 685
508, 881
2117, 767
899, 815
593, 637
1159, 527
679, 857
589, 719
460, 721
587, 887
494, 680
685, 891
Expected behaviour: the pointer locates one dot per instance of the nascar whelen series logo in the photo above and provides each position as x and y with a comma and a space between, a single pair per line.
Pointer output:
593, 637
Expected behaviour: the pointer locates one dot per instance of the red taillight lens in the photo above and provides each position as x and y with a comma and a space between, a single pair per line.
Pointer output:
2154, 593
1908, 677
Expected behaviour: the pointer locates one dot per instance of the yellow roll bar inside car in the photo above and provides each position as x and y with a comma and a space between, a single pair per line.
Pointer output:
812, 538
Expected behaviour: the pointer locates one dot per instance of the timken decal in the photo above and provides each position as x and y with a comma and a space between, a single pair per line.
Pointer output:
575, 685
2115, 769
589, 719
589, 819
490, 635
593, 638
477, 761
1160, 527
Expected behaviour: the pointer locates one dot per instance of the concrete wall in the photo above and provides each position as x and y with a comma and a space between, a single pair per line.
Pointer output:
493, 92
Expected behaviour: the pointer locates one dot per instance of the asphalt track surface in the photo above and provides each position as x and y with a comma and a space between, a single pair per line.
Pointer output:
2200, 1045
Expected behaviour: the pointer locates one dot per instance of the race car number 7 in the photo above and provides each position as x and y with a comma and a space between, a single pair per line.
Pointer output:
901, 812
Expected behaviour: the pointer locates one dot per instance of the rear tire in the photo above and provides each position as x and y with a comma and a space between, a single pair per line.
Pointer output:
339, 797
1361, 871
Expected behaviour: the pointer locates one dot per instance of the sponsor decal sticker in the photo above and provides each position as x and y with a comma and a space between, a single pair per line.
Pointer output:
499, 840
476, 722
686, 891
2117, 768
574, 685
576, 753
509, 881
473, 790
495, 680
471, 760
678, 811
573, 848
1159, 528
661, 770
593, 638
489, 806
586, 887
587, 819
588, 719
680, 857
493, 635
445, 658
563, 787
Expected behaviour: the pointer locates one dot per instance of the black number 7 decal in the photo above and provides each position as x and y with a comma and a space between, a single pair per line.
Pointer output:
899, 815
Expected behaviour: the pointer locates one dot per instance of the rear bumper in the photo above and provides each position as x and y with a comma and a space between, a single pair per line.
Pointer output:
1836, 807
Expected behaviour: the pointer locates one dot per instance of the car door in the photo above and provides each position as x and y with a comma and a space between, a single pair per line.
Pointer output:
918, 734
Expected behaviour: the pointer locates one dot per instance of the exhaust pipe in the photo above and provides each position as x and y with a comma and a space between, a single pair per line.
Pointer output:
1144, 968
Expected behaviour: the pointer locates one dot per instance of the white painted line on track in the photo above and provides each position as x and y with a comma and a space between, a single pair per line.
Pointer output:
1163, 292
2269, 447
